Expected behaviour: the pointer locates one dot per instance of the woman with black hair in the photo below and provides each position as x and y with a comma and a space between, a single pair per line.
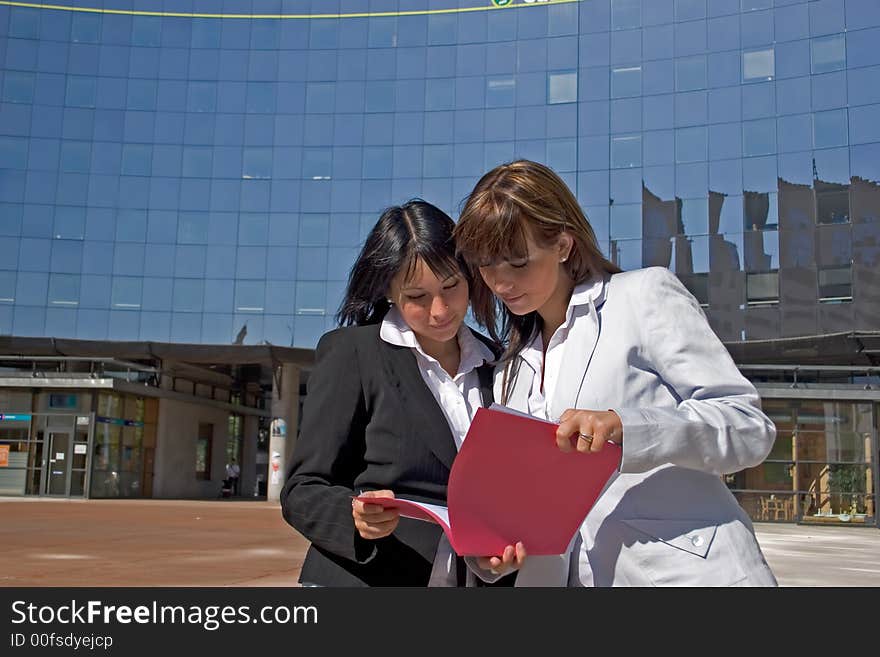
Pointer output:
389, 402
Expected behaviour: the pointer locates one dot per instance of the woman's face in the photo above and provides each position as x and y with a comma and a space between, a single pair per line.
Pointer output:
528, 284
432, 308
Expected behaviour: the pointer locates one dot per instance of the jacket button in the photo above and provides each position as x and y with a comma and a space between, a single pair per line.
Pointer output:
697, 540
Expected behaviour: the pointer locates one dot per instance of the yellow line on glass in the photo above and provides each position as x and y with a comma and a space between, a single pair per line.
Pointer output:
371, 14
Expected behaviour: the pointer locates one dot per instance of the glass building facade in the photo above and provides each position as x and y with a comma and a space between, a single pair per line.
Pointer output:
179, 170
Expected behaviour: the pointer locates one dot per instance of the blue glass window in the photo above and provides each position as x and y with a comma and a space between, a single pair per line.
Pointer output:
31, 288
95, 291
626, 48
126, 292
758, 65
192, 228
658, 77
827, 16
310, 297
830, 129
188, 295
687, 10
7, 286
562, 87
201, 97
690, 73
66, 256
829, 90
69, 222
695, 216
794, 133
691, 145
626, 151
864, 124
793, 95
759, 137
757, 28
657, 42
725, 141
828, 53
626, 81
626, 221
626, 14
189, 261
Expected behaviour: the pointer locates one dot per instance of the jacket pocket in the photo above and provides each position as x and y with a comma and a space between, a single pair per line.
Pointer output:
682, 552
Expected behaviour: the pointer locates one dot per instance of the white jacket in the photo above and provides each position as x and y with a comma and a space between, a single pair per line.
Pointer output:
642, 347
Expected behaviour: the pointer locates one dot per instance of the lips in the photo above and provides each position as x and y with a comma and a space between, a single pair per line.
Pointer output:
509, 300
440, 327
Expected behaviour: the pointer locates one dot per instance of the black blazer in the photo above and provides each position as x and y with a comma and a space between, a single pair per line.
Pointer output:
369, 422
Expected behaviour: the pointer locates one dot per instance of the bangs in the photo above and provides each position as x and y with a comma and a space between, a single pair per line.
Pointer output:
441, 262
491, 229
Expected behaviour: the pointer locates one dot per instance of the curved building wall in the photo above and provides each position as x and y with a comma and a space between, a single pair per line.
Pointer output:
178, 177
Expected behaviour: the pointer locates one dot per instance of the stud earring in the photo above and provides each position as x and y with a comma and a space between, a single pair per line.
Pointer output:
563, 259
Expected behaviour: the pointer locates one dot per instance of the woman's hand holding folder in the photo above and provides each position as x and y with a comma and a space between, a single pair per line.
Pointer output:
371, 520
511, 559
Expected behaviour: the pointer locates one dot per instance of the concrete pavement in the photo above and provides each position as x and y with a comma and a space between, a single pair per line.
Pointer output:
49, 542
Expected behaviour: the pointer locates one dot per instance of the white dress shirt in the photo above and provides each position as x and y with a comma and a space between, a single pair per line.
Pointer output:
458, 397
551, 362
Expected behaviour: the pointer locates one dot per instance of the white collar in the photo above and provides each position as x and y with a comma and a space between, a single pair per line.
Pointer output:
591, 291
394, 330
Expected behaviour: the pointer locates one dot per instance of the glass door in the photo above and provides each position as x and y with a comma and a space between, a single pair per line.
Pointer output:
58, 481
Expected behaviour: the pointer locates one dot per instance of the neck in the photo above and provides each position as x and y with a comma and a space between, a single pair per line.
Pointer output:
553, 312
446, 353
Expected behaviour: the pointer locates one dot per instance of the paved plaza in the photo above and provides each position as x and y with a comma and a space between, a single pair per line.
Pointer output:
247, 543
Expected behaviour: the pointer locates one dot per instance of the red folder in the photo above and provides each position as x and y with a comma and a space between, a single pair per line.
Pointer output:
510, 482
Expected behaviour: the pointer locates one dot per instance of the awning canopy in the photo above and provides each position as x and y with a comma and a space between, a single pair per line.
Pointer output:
199, 354
854, 348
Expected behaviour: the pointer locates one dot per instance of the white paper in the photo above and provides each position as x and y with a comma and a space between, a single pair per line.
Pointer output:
80, 449
59, 456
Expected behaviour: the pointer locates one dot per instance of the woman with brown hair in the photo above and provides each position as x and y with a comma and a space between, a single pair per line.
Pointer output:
626, 357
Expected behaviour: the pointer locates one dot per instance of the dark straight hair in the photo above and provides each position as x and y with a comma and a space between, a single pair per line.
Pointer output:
403, 235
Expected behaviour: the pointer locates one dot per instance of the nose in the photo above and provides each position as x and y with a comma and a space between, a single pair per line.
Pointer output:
496, 281
440, 309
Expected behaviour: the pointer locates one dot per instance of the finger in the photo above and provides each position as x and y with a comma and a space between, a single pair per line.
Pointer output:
377, 493
369, 530
508, 556
604, 429
585, 441
564, 433
383, 515
520, 554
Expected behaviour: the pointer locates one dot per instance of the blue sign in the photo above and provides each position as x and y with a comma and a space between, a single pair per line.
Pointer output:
117, 421
7, 417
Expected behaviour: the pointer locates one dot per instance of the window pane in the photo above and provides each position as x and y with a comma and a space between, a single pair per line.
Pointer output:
828, 53
626, 151
835, 284
626, 14
626, 81
829, 129
562, 87
762, 287
690, 73
758, 65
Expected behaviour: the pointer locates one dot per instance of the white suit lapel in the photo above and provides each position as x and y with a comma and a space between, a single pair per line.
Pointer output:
580, 344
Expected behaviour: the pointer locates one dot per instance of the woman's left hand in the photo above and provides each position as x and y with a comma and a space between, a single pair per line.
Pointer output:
512, 558
591, 428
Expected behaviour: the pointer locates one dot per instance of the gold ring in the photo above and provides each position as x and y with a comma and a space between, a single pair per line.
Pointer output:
589, 439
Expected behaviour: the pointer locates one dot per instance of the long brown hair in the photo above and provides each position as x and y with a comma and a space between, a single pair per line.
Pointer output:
512, 201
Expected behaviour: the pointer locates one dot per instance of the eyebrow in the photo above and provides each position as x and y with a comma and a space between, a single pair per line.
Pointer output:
416, 287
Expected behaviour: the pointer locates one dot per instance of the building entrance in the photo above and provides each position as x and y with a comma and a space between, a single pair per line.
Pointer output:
58, 480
